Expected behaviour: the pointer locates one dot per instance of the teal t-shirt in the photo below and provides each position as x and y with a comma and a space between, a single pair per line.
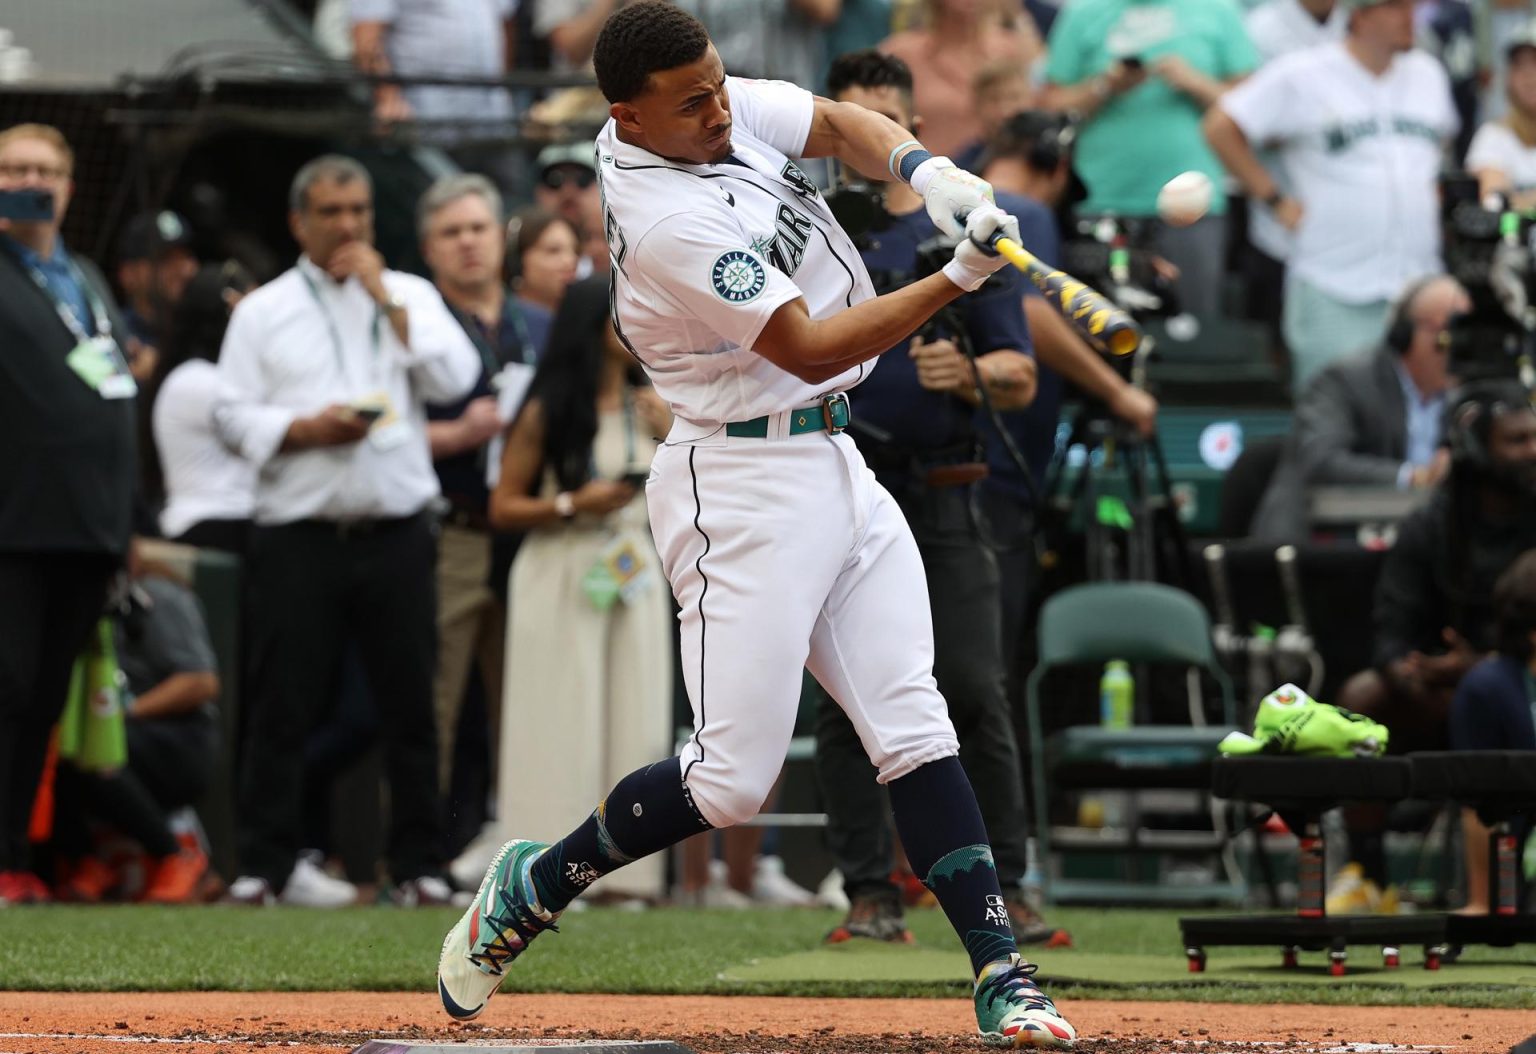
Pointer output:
860, 24
1142, 139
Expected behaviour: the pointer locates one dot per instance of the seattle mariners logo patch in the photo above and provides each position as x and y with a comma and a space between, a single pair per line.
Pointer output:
737, 277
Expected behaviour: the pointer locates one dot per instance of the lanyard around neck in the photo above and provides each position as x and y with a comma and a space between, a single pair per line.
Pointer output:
330, 325
99, 317
514, 311
487, 339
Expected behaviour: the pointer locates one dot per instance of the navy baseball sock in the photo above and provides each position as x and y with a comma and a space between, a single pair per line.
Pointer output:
946, 842
648, 811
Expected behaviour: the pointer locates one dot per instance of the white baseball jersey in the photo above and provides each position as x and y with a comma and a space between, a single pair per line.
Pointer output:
783, 551
703, 255
1279, 27
1362, 154
1496, 146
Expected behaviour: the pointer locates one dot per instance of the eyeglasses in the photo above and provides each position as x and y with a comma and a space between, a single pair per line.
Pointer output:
21, 169
555, 178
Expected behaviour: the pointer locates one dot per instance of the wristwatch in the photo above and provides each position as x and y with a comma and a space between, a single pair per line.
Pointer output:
394, 302
565, 505
1274, 198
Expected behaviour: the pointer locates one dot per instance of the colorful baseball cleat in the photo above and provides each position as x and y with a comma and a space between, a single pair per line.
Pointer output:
1011, 1011
504, 916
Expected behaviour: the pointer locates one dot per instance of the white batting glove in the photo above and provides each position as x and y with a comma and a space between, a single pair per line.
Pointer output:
975, 260
950, 193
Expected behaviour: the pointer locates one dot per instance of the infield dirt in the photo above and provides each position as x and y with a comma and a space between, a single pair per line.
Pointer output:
327, 1023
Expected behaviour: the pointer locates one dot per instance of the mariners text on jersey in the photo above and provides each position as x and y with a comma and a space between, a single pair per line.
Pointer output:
703, 255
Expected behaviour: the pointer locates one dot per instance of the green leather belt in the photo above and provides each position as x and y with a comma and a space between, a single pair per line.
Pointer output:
830, 415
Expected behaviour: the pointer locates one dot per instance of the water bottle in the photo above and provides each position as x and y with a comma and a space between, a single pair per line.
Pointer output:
1034, 878
1117, 695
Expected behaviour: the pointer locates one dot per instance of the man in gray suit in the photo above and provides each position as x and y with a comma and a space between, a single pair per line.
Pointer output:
1372, 420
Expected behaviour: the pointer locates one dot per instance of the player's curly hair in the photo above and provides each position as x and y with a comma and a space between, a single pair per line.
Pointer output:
640, 39
869, 69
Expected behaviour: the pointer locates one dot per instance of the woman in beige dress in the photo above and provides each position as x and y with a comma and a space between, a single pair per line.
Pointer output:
587, 696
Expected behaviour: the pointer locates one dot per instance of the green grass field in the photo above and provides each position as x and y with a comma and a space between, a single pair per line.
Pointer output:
1119, 954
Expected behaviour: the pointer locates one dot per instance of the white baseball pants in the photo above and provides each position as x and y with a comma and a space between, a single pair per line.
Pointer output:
785, 553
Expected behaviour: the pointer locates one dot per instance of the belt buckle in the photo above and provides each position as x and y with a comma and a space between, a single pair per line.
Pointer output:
829, 404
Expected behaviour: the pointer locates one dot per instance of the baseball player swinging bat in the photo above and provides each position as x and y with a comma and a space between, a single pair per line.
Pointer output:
1101, 323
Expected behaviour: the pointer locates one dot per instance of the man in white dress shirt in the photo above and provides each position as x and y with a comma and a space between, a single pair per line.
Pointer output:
328, 367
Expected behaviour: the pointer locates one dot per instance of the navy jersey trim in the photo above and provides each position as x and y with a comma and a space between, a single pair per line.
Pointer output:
698, 566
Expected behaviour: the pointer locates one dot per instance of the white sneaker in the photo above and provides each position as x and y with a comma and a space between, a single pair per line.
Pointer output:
250, 890
719, 893
428, 891
470, 866
830, 893
310, 887
770, 885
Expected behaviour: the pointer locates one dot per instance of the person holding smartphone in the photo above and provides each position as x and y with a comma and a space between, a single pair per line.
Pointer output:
67, 420
328, 369
1139, 77
589, 635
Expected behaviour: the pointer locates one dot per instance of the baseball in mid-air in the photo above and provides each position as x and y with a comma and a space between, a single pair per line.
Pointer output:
1184, 198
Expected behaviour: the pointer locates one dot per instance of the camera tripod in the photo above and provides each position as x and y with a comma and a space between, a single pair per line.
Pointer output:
1122, 538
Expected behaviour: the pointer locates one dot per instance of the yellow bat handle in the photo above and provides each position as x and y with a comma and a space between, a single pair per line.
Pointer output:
1016, 254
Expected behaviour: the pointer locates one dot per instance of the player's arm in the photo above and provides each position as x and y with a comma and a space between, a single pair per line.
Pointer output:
879, 148
858, 137
816, 350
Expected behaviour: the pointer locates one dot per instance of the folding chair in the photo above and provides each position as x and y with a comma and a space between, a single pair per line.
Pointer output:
1139, 622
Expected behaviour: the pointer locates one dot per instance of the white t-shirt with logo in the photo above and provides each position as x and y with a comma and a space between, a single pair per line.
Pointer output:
1497, 146
1362, 153
703, 255
1279, 27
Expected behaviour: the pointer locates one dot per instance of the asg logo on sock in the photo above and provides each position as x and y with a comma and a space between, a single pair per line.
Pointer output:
581, 875
997, 911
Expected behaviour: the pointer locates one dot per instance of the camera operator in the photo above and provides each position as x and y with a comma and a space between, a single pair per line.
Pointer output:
1503, 152
915, 430
1031, 156
66, 488
1373, 419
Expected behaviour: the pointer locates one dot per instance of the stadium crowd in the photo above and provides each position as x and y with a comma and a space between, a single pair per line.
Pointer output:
435, 482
